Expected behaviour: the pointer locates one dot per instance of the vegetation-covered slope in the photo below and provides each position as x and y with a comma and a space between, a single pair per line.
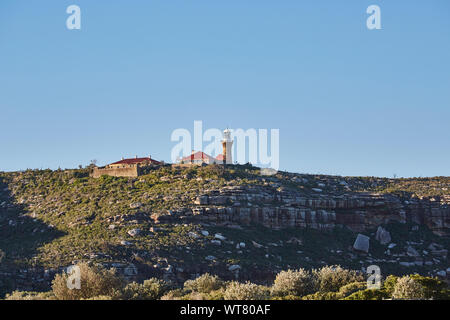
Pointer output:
52, 219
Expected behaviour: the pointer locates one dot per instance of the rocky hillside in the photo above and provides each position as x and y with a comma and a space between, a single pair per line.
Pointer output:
179, 223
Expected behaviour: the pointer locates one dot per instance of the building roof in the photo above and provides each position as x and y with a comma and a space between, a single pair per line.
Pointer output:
137, 160
220, 157
198, 156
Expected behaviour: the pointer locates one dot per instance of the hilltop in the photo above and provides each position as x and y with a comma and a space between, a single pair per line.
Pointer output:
178, 223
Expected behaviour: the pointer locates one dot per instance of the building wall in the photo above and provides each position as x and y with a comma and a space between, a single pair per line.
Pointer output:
131, 171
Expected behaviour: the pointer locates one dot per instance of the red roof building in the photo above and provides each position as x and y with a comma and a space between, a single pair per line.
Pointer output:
199, 158
133, 167
146, 160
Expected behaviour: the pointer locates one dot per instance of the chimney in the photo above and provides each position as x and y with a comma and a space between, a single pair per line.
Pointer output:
136, 156
123, 158
149, 156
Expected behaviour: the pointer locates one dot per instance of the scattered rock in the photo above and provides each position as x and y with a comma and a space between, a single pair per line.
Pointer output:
441, 273
257, 245
383, 236
134, 232
361, 243
234, 267
240, 245
406, 264
135, 205
220, 237
193, 235
410, 251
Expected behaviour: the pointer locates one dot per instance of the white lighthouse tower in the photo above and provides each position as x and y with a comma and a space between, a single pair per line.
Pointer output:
227, 144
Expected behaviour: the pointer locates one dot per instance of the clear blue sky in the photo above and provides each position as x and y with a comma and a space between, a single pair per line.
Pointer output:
347, 100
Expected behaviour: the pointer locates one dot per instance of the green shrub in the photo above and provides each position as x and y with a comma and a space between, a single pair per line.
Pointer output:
95, 281
151, 289
290, 297
332, 278
433, 288
246, 291
368, 294
323, 296
351, 288
176, 294
389, 284
28, 295
204, 284
407, 288
293, 282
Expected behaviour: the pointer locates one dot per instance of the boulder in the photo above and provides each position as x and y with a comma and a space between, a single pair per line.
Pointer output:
234, 267
257, 245
442, 273
193, 235
410, 251
361, 243
134, 232
383, 236
406, 264
219, 237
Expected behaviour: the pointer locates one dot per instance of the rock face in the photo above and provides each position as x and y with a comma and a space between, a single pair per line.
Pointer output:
383, 236
282, 208
361, 243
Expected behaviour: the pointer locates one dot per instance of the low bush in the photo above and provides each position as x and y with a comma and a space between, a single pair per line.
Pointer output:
332, 278
204, 284
28, 295
94, 281
368, 294
246, 291
323, 296
351, 288
151, 289
407, 288
293, 282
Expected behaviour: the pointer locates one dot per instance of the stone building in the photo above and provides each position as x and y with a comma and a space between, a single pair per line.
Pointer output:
133, 167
